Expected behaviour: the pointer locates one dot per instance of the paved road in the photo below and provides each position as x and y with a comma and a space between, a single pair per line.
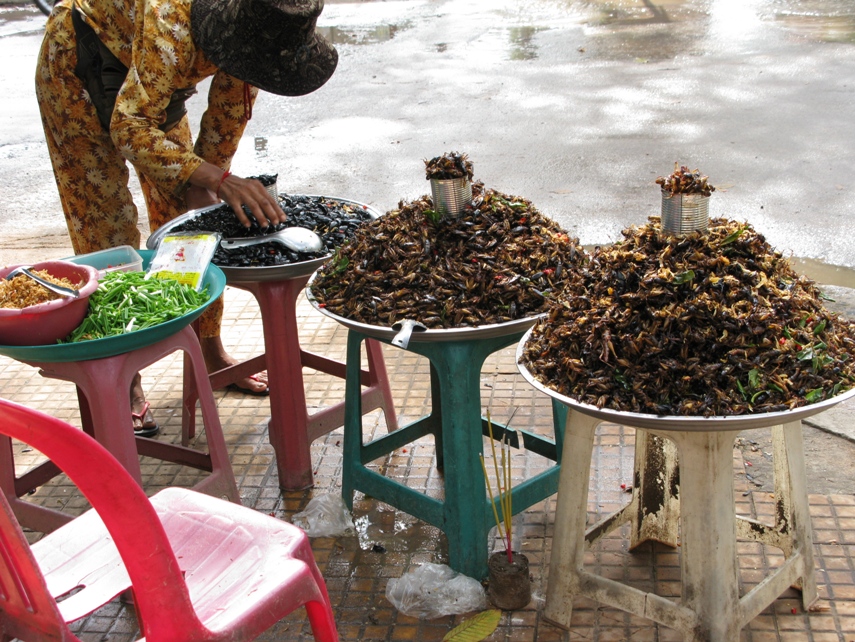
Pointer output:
577, 106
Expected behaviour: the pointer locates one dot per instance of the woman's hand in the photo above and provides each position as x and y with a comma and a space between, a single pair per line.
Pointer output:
237, 192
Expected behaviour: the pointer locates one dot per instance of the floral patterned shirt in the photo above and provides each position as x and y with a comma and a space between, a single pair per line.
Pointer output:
153, 39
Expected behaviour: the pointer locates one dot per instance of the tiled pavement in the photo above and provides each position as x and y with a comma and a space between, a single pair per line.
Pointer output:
356, 570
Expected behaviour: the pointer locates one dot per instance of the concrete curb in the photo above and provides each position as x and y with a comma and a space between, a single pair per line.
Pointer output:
836, 421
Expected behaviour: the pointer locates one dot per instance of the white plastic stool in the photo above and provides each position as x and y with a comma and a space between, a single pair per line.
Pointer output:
699, 498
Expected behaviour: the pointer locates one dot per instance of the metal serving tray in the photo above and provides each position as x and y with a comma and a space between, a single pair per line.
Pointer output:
258, 274
427, 336
680, 422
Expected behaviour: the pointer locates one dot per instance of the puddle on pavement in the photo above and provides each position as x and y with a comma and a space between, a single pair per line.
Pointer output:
522, 44
362, 36
392, 530
642, 30
836, 282
818, 20
824, 273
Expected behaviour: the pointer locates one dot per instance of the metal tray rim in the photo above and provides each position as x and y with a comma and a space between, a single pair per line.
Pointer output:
680, 422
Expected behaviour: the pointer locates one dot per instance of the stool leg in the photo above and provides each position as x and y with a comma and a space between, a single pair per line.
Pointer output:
112, 425
288, 425
793, 513
31, 515
466, 508
436, 415
221, 481
656, 493
710, 571
559, 422
571, 518
188, 402
352, 441
378, 379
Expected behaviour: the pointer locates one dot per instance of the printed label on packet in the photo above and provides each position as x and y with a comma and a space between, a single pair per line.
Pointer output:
184, 257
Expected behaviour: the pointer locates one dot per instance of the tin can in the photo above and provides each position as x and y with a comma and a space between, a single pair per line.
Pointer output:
451, 195
271, 189
685, 213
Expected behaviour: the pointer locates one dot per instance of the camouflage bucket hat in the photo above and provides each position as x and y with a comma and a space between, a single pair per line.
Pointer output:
270, 44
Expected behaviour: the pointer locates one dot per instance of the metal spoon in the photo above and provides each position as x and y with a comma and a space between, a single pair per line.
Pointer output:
296, 239
53, 287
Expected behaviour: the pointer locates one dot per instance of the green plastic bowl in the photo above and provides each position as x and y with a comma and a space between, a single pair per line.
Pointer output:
214, 279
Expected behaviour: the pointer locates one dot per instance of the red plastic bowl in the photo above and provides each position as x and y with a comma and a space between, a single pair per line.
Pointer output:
48, 322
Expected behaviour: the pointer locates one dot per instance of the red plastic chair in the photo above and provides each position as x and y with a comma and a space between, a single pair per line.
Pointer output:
200, 568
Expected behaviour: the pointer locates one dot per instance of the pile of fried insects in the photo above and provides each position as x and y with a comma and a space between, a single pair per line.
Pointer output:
712, 323
502, 260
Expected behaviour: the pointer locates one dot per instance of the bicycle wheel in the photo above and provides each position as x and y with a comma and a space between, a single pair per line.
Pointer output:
45, 6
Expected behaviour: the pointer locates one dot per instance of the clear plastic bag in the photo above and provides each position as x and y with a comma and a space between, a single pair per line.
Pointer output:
435, 590
325, 516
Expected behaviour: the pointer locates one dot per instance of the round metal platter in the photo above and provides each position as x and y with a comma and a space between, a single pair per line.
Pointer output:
258, 274
427, 336
679, 422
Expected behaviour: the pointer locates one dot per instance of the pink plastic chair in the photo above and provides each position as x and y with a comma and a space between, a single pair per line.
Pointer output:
200, 568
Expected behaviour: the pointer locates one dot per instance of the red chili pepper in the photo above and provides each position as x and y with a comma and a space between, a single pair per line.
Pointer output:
548, 271
322, 305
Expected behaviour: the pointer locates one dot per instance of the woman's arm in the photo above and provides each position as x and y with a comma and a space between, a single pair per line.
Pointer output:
164, 60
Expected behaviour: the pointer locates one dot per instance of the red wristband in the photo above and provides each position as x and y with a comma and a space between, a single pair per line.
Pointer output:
225, 175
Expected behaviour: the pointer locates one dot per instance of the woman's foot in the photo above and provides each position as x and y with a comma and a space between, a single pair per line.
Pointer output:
253, 385
143, 420
216, 358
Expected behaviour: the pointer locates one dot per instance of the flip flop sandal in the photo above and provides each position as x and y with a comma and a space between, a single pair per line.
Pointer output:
147, 425
249, 391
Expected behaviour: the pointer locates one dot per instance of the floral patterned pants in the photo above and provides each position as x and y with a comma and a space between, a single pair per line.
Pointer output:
91, 174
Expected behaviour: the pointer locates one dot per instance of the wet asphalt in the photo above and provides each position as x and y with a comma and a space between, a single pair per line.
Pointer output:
577, 106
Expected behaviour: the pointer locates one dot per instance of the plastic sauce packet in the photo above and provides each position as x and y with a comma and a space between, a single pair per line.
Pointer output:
184, 257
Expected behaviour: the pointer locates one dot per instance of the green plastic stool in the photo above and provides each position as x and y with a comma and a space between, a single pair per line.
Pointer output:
466, 514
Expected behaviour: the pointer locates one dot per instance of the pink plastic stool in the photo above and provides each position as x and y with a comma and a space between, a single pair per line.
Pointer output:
291, 429
102, 386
